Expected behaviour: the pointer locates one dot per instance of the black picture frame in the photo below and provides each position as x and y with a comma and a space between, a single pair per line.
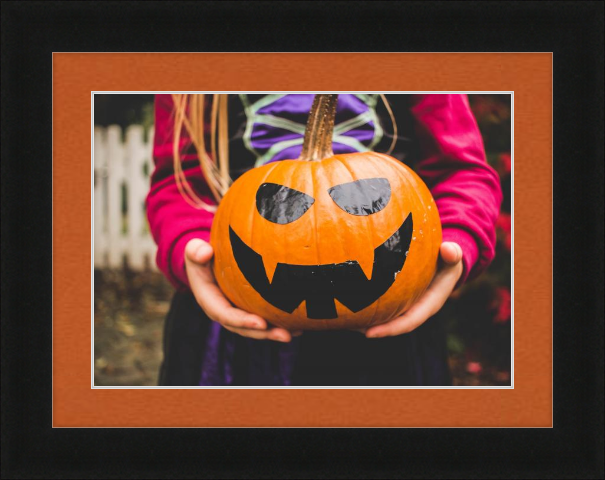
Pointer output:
31, 31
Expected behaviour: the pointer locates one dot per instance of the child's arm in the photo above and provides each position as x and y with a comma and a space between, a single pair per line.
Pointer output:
182, 231
466, 189
172, 220
468, 196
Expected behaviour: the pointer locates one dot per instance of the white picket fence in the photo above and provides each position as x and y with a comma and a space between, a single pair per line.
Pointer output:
122, 172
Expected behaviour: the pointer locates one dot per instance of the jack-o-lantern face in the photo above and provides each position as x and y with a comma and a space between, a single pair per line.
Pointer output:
320, 285
345, 242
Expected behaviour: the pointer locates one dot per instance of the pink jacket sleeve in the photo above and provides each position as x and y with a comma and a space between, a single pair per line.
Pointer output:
172, 220
466, 189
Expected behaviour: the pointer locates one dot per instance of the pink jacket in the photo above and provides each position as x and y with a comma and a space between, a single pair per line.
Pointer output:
453, 165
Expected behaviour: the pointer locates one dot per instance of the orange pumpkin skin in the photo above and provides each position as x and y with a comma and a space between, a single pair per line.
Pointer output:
326, 234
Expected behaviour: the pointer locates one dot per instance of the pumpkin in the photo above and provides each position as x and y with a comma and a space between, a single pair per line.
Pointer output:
326, 241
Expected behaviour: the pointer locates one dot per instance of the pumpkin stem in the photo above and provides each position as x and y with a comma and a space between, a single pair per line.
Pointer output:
320, 126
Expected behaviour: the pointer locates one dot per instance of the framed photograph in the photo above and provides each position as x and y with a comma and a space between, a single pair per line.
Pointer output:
350, 403
530, 421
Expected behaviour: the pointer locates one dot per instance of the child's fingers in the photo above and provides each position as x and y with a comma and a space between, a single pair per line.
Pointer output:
451, 253
427, 305
234, 317
214, 303
199, 251
277, 334
410, 320
219, 309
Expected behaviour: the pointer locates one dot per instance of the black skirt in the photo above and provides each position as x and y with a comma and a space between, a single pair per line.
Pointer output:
198, 351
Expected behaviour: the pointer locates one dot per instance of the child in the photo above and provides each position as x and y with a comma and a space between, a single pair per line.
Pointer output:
207, 341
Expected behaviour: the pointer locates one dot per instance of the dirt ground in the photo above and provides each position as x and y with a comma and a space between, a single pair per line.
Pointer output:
130, 309
128, 327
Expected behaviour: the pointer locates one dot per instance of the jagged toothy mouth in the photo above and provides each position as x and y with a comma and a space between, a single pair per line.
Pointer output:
320, 285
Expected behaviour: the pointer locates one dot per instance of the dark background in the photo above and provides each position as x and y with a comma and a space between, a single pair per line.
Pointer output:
31, 31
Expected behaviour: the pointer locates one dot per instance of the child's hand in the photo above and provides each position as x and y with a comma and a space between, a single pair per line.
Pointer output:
431, 301
198, 254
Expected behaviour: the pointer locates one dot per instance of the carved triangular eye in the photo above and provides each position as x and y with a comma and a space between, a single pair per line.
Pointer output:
280, 204
362, 197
